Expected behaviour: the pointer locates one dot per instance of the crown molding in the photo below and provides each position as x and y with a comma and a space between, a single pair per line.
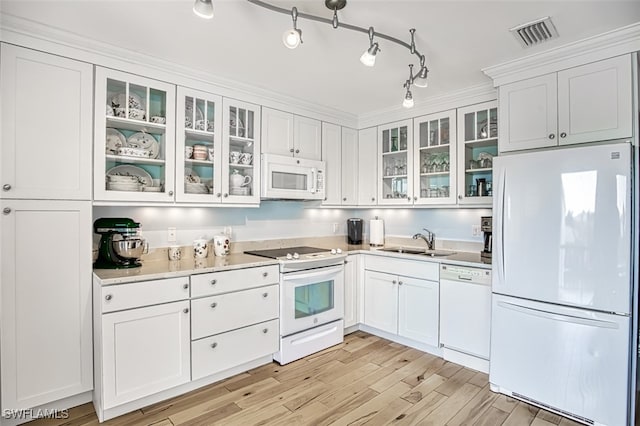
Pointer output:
603, 46
467, 96
38, 36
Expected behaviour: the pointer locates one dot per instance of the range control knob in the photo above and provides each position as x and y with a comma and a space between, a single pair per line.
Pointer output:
339, 251
296, 256
289, 257
333, 251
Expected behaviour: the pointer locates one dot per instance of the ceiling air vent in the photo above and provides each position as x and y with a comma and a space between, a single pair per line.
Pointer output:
535, 32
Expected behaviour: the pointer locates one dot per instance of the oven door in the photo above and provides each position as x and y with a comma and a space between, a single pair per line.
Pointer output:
311, 298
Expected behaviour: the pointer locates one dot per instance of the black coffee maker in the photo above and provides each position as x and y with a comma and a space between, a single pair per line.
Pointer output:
354, 230
486, 225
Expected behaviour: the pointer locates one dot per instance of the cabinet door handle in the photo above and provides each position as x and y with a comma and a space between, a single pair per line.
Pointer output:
265, 295
297, 151
185, 310
415, 198
6, 210
213, 305
219, 194
552, 136
214, 345
265, 330
170, 193
393, 282
399, 282
264, 274
459, 197
409, 199
373, 198
213, 282
186, 286
291, 150
108, 297
226, 195
6, 187
344, 199
563, 135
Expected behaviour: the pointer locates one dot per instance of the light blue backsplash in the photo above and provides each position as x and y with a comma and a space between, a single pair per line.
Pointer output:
289, 219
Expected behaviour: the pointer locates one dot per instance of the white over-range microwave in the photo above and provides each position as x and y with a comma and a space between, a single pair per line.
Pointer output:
292, 178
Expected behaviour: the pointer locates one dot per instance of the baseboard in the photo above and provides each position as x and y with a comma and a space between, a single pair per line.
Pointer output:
466, 360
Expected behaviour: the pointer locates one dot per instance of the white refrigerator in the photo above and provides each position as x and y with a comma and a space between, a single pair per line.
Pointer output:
562, 281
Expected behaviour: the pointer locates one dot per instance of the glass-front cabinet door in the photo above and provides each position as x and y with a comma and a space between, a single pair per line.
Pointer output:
435, 159
198, 147
134, 138
241, 153
478, 144
395, 163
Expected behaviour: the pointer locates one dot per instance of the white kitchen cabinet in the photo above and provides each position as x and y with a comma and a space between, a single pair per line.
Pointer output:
144, 351
288, 134
477, 145
46, 130
592, 102
367, 159
351, 291
46, 301
418, 310
381, 301
349, 184
435, 159
395, 163
332, 156
241, 137
134, 138
199, 124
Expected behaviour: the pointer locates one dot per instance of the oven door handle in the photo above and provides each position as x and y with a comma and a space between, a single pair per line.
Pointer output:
313, 274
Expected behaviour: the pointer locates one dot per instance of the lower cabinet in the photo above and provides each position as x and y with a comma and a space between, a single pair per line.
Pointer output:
145, 351
350, 291
403, 305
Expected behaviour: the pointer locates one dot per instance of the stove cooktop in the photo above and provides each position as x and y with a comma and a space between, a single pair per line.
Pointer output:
282, 252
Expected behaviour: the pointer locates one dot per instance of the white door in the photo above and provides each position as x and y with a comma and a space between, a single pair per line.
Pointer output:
145, 351
277, 132
350, 292
595, 101
349, 166
307, 138
418, 314
381, 301
528, 113
332, 156
45, 284
367, 159
570, 359
47, 130
562, 227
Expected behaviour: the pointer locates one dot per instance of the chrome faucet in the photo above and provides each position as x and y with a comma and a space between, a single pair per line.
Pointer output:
430, 239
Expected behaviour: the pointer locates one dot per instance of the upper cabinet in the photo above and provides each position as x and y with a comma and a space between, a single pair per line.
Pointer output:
367, 157
395, 163
435, 159
199, 147
349, 182
134, 154
47, 128
340, 153
588, 103
284, 133
477, 145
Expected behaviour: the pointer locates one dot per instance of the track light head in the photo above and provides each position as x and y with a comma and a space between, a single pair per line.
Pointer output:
421, 79
293, 38
368, 58
408, 100
203, 8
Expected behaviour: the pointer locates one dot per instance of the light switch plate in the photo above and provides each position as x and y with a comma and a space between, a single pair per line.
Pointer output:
171, 235
475, 230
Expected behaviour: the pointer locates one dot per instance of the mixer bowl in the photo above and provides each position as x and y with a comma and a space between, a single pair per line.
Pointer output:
128, 249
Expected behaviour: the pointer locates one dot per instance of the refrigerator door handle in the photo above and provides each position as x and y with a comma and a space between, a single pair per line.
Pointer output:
500, 195
557, 317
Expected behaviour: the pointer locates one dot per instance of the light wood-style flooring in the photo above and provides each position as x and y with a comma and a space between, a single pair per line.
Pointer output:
364, 380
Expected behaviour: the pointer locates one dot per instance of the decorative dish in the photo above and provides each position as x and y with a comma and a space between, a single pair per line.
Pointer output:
126, 170
144, 141
115, 140
190, 176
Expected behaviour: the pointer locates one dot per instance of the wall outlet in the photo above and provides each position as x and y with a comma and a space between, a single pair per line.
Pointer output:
334, 226
227, 231
475, 230
171, 235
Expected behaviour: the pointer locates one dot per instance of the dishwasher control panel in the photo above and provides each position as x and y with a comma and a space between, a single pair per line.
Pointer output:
465, 273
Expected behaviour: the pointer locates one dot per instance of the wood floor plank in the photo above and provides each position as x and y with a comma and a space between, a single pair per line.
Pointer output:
448, 369
403, 358
522, 415
303, 416
336, 395
452, 405
549, 417
414, 414
374, 406
389, 412
455, 382
432, 365
479, 379
423, 389
476, 409
505, 403
493, 416
356, 344
567, 422
211, 416
409, 370
331, 414
540, 422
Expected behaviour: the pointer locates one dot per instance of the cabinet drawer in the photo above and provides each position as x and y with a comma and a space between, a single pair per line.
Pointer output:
216, 314
127, 296
238, 279
408, 268
223, 351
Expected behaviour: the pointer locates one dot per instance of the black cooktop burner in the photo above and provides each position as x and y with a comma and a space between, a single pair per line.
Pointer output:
281, 252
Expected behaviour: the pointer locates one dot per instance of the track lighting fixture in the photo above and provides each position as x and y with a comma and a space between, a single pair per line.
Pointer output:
293, 37
203, 8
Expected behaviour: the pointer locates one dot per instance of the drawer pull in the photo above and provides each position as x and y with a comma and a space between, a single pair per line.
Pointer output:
6, 187
265, 330
214, 345
265, 295
213, 282
264, 274
6, 210
214, 304
185, 310
108, 297
393, 282
186, 286
563, 135
399, 282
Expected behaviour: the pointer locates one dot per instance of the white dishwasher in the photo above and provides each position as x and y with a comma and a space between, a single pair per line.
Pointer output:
465, 315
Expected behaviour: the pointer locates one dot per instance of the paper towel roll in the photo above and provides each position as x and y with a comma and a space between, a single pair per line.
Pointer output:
376, 232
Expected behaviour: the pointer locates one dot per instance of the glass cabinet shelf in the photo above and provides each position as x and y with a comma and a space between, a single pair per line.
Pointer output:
199, 134
136, 125
199, 162
133, 160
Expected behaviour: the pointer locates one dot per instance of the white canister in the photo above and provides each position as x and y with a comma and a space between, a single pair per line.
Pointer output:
376, 232
174, 252
200, 249
221, 245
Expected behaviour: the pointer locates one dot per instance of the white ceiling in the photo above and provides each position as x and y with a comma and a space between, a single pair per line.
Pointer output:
243, 41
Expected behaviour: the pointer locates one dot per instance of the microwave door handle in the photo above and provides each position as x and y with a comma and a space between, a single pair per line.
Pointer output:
312, 187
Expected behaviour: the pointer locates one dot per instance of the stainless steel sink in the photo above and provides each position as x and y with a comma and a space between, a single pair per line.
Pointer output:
431, 253
436, 253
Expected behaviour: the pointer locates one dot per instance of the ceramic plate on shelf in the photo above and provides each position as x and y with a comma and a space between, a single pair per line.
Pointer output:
119, 101
126, 170
115, 140
146, 142
188, 111
190, 176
